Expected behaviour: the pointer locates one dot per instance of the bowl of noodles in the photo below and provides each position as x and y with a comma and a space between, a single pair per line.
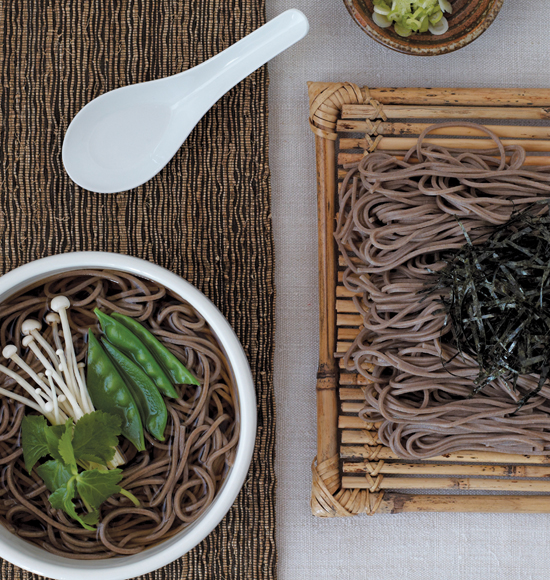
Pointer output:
127, 416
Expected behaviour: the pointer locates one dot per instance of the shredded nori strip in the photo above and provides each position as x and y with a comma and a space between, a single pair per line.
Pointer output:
499, 301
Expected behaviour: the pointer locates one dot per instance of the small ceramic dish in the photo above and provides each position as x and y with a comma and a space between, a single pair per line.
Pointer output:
37, 560
469, 19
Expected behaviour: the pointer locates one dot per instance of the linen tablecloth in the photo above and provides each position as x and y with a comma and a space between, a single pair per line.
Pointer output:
512, 53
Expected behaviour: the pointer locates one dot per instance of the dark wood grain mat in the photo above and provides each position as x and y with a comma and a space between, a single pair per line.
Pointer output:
206, 216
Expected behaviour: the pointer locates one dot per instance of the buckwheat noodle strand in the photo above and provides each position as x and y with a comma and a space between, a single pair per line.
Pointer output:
397, 221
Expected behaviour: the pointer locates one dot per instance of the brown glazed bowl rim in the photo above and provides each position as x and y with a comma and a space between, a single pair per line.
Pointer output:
411, 45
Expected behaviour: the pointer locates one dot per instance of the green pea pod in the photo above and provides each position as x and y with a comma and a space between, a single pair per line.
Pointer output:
126, 341
149, 401
110, 394
171, 365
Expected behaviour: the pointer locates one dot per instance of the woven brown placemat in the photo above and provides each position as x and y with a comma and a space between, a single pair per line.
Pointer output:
206, 216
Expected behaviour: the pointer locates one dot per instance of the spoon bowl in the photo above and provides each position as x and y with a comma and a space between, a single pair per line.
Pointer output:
125, 137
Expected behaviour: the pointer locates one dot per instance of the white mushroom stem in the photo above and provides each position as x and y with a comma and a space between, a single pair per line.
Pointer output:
31, 327
44, 398
53, 319
60, 304
69, 389
54, 397
29, 342
24, 400
84, 397
80, 373
10, 352
38, 403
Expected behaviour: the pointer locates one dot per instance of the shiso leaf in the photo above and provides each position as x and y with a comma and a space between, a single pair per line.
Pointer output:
54, 473
53, 436
33, 439
66, 446
96, 437
62, 499
95, 486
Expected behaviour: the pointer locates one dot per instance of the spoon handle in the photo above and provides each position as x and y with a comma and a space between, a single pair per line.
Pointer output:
214, 77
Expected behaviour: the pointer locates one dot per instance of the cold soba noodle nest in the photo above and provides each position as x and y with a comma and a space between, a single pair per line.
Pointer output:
175, 480
399, 222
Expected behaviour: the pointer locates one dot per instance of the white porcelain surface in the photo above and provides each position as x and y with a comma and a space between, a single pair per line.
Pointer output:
37, 560
126, 136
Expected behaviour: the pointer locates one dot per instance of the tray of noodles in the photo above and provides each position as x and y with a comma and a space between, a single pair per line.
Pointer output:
434, 274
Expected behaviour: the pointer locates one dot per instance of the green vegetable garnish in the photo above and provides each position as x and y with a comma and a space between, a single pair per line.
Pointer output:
412, 16
92, 439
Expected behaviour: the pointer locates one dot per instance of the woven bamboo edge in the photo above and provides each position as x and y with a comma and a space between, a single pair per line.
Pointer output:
326, 101
329, 500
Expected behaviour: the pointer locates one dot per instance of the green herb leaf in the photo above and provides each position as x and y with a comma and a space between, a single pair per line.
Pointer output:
95, 437
53, 437
62, 499
33, 439
91, 518
54, 473
66, 446
95, 486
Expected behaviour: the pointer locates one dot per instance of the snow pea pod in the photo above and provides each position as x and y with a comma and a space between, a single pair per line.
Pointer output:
110, 394
149, 401
174, 368
126, 341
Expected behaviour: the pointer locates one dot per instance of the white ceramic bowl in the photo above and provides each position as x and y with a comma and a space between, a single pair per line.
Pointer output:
39, 561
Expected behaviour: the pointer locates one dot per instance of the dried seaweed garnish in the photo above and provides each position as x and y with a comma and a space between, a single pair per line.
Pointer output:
499, 301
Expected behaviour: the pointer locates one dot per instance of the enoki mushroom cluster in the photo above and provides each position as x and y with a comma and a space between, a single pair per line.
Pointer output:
399, 220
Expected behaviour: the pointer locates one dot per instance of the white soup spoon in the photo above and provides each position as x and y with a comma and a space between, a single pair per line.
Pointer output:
126, 136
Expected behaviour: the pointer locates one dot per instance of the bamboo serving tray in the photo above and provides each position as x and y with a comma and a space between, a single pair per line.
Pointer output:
353, 473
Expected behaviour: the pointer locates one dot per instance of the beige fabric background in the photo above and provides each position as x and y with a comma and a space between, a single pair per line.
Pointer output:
514, 52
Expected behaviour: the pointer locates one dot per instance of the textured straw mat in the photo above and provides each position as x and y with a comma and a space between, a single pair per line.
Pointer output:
206, 216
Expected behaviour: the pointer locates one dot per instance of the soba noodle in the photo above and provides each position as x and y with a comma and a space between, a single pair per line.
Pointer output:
175, 481
397, 221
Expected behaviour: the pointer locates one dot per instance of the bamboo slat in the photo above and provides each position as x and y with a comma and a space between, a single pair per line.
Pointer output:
348, 407
349, 158
352, 379
342, 292
357, 427
405, 143
348, 334
381, 452
462, 97
443, 483
508, 471
351, 394
446, 112
349, 320
503, 131
345, 306
396, 503
327, 405
354, 473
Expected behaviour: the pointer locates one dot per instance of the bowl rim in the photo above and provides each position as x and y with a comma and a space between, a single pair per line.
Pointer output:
36, 559
409, 48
